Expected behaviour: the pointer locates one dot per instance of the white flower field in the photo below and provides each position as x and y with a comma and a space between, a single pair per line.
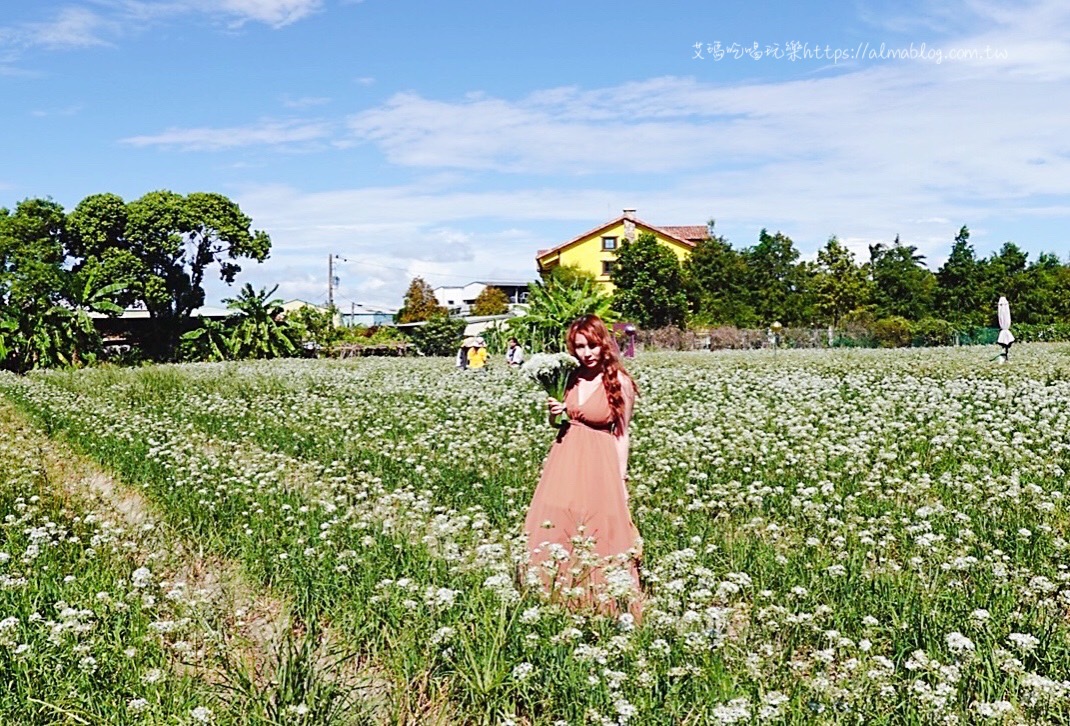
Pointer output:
851, 536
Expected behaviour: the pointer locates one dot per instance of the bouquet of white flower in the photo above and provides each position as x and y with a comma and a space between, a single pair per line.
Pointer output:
551, 371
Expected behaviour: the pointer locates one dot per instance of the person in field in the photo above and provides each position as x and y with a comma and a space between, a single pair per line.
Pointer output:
477, 355
583, 546
514, 355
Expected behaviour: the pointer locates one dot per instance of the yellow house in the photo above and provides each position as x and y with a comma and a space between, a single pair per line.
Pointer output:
596, 251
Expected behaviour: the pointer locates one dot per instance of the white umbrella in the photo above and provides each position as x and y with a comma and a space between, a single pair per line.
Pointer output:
1004, 315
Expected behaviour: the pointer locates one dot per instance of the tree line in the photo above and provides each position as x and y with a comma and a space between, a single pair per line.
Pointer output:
893, 298
751, 287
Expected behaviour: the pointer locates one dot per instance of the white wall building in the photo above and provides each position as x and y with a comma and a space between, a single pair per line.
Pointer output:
459, 300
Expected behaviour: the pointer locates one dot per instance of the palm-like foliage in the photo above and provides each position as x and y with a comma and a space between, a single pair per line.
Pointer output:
261, 330
552, 306
210, 341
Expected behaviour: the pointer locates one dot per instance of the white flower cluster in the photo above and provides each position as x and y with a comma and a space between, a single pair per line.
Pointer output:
550, 370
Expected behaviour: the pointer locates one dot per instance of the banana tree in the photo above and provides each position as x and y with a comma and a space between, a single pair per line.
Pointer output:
211, 341
552, 306
261, 330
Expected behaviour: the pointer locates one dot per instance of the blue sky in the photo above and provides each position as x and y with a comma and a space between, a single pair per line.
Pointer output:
453, 140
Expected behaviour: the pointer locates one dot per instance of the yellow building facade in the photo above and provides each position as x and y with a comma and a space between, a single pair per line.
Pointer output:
595, 251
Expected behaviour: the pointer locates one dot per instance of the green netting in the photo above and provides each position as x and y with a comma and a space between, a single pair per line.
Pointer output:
977, 336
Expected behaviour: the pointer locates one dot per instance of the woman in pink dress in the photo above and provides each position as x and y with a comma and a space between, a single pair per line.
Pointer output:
583, 546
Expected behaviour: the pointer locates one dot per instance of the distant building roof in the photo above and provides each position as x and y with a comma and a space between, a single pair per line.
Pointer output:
140, 313
359, 308
691, 232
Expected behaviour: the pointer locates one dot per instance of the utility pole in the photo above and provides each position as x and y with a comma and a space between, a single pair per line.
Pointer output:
332, 281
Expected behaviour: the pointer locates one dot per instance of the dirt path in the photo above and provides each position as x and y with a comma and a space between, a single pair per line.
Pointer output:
245, 627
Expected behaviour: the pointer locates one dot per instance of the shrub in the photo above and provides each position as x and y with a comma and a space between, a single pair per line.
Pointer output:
438, 336
1050, 332
893, 332
933, 331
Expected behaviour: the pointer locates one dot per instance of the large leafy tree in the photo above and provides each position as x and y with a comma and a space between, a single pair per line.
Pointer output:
166, 244
902, 285
420, 303
1008, 275
716, 277
649, 283
840, 285
778, 286
1044, 297
492, 301
960, 296
39, 327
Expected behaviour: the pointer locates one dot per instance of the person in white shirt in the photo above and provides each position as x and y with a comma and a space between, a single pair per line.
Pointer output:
514, 356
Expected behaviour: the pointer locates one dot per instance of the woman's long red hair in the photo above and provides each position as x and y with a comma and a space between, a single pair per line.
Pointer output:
592, 328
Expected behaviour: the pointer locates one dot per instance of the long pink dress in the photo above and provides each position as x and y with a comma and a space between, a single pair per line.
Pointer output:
582, 542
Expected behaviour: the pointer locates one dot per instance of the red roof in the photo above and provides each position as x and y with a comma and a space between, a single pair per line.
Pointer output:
692, 232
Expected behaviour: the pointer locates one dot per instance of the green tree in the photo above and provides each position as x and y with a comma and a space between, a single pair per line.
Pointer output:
96, 240
209, 341
959, 296
420, 303
716, 278
439, 336
492, 301
1007, 275
165, 243
38, 324
1046, 296
552, 306
902, 285
840, 285
649, 283
777, 285
261, 330
315, 328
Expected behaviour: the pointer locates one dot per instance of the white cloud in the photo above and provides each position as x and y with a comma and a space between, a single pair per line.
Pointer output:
305, 101
276, 13
71, 28
65, 111
391, 234
75, 27
264, 133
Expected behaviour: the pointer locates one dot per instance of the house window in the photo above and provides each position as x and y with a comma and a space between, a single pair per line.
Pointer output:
607, 266
609, 243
